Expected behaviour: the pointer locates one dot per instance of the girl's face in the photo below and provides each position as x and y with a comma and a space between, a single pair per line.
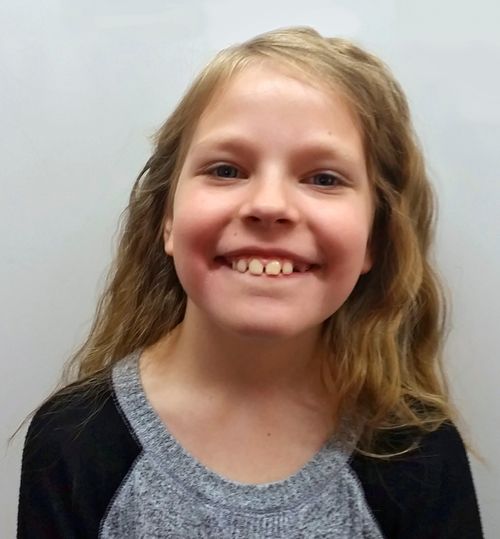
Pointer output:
275, 176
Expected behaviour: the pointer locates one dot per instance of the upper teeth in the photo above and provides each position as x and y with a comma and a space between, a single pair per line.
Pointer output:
273, 267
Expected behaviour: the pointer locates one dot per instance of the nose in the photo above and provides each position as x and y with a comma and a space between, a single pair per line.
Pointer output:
269, 200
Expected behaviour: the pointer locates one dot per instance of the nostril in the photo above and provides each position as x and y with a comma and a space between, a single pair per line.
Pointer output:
268, 215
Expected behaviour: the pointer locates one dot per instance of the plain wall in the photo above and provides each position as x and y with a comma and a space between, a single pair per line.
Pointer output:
83, 84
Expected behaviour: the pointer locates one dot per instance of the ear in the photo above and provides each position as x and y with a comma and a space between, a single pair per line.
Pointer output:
368, 262
168, 238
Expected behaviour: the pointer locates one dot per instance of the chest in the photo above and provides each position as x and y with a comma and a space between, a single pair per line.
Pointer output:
249, 447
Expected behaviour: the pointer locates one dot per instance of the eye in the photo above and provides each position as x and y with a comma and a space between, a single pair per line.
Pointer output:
223, 171
325, 179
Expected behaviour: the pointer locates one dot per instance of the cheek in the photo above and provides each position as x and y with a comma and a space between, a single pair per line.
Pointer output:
191, 224
345, 232
192, 238
200, 215
190, 242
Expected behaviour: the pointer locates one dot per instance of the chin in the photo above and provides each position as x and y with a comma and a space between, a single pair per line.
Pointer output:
265, 333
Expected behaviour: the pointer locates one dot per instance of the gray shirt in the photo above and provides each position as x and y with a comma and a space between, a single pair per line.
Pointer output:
168, 493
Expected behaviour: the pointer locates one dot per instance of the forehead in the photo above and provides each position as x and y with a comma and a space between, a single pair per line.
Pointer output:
275, 105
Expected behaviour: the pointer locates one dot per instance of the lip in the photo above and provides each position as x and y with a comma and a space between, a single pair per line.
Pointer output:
268, 254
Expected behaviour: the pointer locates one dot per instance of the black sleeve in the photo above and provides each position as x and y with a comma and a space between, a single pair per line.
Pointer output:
453, 513
45, 500
77, 451
428, 494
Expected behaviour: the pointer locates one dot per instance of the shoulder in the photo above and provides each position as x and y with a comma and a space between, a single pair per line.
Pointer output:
67, 414
432, 450
425, 490
73, 402
79, 417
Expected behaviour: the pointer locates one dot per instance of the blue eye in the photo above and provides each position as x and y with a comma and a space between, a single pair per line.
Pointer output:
224, 171
326, 180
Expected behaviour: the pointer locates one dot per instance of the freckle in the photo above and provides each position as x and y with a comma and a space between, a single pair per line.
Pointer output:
269, 434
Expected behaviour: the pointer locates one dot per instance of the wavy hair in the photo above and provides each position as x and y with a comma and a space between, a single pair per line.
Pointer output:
385, 365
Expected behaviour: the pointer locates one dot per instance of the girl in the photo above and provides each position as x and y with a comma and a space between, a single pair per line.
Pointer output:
265, 361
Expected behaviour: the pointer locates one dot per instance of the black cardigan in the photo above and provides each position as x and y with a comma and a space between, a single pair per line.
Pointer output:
427, 494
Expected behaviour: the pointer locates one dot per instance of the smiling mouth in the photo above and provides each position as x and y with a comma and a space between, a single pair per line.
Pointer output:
255, 266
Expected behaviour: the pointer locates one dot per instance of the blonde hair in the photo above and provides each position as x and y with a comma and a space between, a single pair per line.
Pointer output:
386, 340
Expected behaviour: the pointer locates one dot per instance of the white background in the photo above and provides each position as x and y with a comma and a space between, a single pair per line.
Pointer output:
84, 83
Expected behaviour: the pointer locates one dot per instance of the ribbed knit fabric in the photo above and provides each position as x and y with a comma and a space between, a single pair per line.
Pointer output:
168, 493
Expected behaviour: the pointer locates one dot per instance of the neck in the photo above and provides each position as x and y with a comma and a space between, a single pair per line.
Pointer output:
206, 358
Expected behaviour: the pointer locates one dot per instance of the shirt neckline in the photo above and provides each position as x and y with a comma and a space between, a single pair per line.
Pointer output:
169, 457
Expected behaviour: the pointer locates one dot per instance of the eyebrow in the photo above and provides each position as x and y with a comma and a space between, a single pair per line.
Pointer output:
319, 149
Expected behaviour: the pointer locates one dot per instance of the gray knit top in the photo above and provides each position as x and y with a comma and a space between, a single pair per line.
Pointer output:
168, 493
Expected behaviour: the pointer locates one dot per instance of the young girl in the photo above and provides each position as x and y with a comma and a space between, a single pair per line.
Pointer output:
265, 361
